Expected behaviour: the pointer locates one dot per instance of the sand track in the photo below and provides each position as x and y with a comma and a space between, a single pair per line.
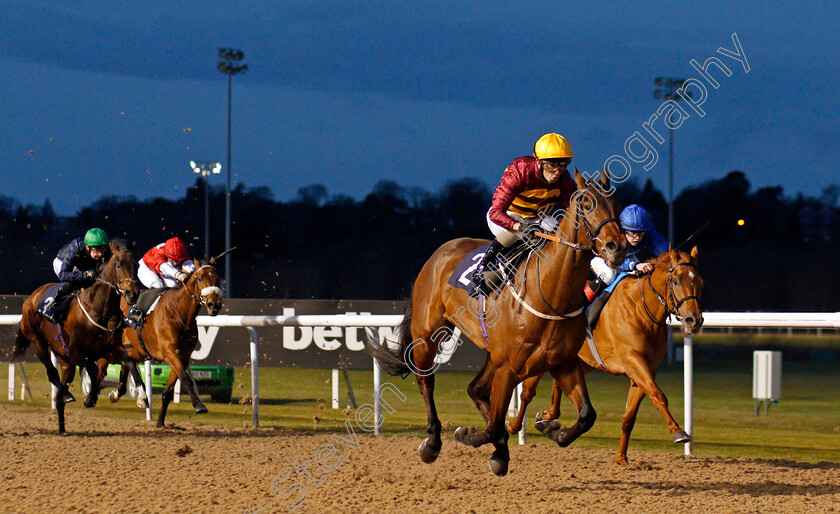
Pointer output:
100, 468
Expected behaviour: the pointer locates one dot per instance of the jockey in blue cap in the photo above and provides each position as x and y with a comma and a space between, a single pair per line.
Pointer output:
645, 243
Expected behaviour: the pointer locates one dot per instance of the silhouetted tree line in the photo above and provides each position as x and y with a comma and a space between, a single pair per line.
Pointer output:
333, 246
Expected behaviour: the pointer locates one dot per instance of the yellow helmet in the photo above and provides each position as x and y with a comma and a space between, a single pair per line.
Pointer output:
552, 146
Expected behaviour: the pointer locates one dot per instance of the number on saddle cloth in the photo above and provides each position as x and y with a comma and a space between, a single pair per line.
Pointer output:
47, 305
462, 276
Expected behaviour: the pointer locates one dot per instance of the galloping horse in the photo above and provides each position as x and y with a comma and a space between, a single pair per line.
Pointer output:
631, 339
524, 341
170, 334
91, 332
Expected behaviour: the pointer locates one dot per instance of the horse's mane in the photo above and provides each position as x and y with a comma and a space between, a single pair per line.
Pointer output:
663, 260
198, 263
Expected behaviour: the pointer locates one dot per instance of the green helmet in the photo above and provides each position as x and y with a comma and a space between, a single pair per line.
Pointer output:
96, 237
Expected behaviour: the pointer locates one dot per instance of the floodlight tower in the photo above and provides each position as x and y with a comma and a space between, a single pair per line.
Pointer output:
205, 169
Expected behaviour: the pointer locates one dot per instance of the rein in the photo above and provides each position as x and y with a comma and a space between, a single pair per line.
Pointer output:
672, 297
117, 286
592, 234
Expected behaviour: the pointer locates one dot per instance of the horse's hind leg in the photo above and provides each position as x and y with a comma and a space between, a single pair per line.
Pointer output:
424, 359
573, 385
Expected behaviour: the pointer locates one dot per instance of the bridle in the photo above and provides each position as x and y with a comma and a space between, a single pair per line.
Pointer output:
591, 232
674, 307
207, 291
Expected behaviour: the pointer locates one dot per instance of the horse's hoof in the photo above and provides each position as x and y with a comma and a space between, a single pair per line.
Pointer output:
159, 425
68, 397
143, 404
114, 396
462, 434
498, 467
542, 424
63, 434
89, 404
510, 429
539, 417
201, 409
621, 461
681, 437
427, 454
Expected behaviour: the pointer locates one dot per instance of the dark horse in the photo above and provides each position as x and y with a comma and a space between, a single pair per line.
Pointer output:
92, 331
538, 328
631, 339
170, 333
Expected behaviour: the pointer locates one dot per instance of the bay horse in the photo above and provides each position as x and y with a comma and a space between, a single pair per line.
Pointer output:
523, 340
92, 331
631, 339
170, 334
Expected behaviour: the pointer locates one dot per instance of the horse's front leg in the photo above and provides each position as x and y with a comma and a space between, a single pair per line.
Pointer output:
501, 390
529, 389
96, 371
180, 368
573, 385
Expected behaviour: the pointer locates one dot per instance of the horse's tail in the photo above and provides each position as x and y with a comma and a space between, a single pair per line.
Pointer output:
393, 361
21, 344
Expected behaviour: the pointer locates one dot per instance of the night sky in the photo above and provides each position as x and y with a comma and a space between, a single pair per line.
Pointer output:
117, 99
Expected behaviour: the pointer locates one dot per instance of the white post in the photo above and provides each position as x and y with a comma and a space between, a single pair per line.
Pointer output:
522, 431
255, 380
335, 391
53, 389
12, 382
147, 372
688, 371
377, 398
177, 397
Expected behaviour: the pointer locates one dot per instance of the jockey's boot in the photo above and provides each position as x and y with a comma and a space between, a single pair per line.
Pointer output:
478, 275
134, 316
51, 303
596, 307
591, 290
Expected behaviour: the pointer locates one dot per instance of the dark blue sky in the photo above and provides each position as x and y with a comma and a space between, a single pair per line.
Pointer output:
116, 100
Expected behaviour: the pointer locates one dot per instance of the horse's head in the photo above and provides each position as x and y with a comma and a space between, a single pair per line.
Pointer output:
597, 215
121, 270
685, 285
205, 282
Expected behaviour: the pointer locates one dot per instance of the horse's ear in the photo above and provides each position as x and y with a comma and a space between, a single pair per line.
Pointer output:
212, 261
579, 180
694, 255
672, 255
605, 180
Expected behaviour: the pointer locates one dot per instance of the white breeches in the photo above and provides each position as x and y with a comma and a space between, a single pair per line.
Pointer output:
150, 279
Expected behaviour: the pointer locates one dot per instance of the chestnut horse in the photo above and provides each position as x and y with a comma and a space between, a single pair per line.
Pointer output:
631, 339
534, 329
170, 334
92, 330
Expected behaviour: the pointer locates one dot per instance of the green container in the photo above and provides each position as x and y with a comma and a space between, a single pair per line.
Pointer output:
217, 381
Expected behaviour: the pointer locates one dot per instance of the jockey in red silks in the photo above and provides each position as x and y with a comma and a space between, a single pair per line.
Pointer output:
529, 186
165, 264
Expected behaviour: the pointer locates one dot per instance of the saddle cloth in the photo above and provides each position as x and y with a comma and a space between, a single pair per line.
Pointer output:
59, 310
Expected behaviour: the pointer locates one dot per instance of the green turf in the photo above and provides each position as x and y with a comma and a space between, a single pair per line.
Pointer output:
803, 426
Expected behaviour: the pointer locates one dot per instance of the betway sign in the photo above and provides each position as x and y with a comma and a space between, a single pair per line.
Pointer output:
309, 347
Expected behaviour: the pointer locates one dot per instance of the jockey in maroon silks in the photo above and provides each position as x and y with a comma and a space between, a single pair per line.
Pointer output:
529, 186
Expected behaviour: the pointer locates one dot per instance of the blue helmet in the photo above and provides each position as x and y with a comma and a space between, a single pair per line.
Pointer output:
635, 219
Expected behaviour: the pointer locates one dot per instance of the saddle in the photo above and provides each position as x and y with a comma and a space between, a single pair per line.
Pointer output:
147, 300
59, 310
